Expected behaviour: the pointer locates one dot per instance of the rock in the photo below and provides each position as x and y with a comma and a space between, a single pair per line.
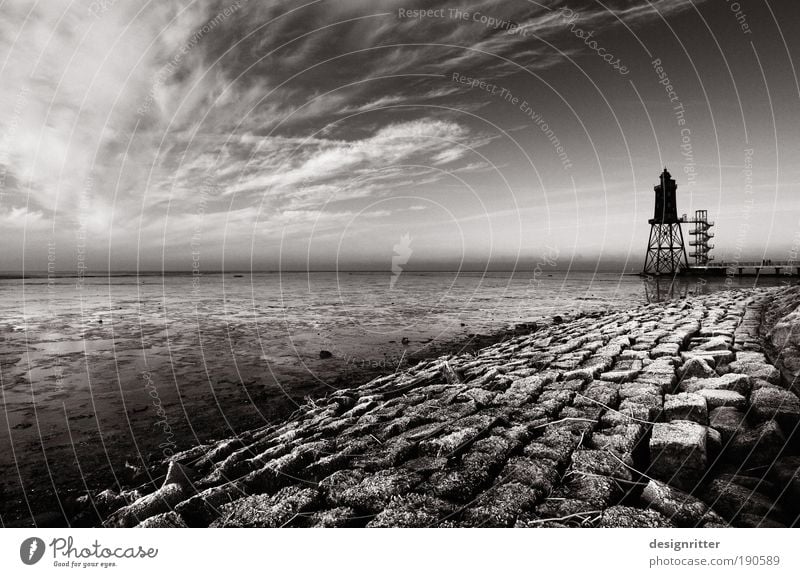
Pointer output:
201, 509
712, 520
696, 367
477, 466
714, 344
500, 506
754, 483
557, 320
716, 398
620, 516
598, 491
193, 454
756, 384
108, 501
621, 376
278, 472
644, 407
728, 382
337, 517
677, 506
774, 403
449, 374
732, 500
170, 520
728, 421
267, 511
714, 442
159, 501
628, 364
756, 370
784, 338
686, 407
599, 462
375, 491
594, 366
678, 453
660, 372
180, 474
756, 446
446, 445
751, 357
413, 510
555, 445
334, 485
638, 389
598, 393
785, 475
521, 391
569, 512
325, 354
758, 521
622, 440
539, 474
713, 358
665, 350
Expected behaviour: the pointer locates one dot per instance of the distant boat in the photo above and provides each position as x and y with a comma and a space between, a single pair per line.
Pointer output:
238, 276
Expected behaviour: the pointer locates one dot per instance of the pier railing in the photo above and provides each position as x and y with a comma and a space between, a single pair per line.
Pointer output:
756, 264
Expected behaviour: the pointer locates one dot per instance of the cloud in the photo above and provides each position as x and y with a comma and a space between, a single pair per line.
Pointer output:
137, 112
311, 168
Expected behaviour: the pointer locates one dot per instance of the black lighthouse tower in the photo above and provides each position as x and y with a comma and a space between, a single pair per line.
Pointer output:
666, 253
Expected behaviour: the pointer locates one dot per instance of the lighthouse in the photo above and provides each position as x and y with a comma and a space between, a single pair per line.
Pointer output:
666, 253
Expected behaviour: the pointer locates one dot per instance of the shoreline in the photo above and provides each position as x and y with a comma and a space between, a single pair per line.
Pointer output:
48, 510
628, 418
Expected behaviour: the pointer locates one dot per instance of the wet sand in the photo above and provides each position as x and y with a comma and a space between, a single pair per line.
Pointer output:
99, 384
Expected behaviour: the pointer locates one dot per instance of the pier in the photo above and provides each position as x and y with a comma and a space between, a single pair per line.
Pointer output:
746, 268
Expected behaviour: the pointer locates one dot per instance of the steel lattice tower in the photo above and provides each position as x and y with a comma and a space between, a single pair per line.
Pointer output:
666, 253
701, 233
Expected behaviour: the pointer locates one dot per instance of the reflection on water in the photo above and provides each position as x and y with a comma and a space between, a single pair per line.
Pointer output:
665, 288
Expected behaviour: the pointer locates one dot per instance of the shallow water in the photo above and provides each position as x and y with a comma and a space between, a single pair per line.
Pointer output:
103, 371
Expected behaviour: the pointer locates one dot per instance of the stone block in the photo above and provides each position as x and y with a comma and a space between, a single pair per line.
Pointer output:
716, 398
665, 350
500, 506
686, 407
756, 370
728, 421
728, 382
713, 358
696, 367
756, 446
751, 357
619, 376
774, 403
678, 453
733, 501
265, 510
413, 510
677, 506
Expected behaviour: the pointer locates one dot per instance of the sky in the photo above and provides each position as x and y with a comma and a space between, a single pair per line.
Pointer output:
325, 134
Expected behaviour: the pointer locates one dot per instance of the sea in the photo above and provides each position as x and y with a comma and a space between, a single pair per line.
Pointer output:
102, 376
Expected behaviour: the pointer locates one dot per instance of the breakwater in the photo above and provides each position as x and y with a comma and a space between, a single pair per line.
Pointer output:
674, 414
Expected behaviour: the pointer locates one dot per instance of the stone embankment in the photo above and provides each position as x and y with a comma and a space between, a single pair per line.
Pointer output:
663, 415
